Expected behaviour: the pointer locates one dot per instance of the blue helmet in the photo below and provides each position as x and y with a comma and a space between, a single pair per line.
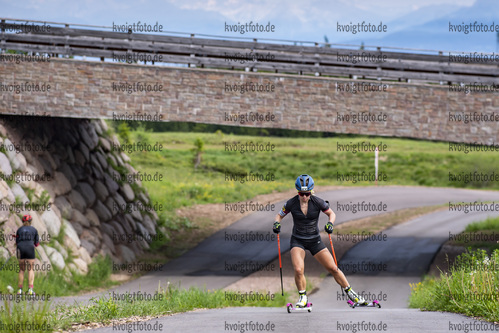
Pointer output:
304, 183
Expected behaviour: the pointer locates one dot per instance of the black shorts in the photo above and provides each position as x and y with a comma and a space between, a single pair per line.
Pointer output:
314, 245
25, 251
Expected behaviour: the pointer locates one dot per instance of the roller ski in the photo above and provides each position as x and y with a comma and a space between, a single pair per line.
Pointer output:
28, 295
358, 301
301, 305
372, 304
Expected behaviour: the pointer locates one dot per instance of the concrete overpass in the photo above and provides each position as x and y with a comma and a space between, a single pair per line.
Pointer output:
88, 72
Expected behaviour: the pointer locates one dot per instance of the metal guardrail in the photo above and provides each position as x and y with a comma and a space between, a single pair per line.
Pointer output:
246, 54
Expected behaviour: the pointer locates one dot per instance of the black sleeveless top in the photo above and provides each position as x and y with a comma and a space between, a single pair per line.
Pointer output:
305, 226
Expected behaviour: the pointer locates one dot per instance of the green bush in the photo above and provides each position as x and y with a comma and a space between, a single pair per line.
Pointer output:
471, 287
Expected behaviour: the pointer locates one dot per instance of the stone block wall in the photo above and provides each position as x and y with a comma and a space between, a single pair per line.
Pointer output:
73, 165
90, 89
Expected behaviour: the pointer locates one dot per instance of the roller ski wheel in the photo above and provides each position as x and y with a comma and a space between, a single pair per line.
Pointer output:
291, 308
372, 304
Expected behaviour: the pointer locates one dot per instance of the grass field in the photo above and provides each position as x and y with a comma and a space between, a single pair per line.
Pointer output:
402, 162
118, 310
471, 286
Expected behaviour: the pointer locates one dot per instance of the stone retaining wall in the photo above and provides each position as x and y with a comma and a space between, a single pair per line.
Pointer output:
73, 165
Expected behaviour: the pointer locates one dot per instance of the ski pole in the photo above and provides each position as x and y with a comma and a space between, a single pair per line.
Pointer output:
280, 263
332, 250
334, 257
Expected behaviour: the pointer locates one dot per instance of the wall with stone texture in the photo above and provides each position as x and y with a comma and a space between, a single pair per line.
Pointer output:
89, 89
92, 206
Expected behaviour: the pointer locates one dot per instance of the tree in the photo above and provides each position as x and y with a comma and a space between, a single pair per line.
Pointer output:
198, 149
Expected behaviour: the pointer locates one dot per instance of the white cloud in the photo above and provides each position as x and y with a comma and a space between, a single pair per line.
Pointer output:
306, 11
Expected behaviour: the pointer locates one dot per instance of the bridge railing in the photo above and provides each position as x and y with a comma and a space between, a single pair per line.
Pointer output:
251, 55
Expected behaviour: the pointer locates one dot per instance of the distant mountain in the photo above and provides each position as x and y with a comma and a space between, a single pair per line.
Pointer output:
434, 34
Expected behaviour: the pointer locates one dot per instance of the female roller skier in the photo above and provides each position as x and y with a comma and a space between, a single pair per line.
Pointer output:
305, 209
26, 240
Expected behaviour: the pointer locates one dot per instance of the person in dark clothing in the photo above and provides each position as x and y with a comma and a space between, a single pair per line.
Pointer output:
305, 209
26, 240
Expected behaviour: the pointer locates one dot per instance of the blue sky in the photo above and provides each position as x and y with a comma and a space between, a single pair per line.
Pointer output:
421, 25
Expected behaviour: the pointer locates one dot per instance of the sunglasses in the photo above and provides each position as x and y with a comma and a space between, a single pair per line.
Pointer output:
307, 194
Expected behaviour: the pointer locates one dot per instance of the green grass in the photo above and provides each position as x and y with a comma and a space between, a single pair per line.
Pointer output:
25, 316
478, 235
488, 224
55, 284
113, 307
471, 287
406, 162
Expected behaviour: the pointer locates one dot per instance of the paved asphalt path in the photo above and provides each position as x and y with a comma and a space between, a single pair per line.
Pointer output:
383, 270
219, 261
